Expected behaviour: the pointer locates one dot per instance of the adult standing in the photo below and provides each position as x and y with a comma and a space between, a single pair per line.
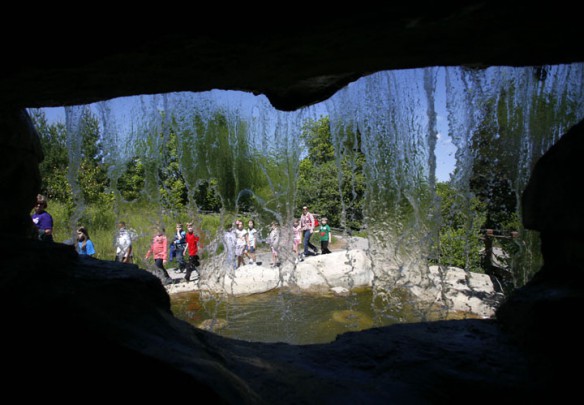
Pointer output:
123, 244
307, 226
192, 250
42, 220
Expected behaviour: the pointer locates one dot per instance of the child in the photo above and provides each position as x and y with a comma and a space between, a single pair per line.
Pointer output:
178, 245
251, 242
240, 242
229, 241
325, 235
84, 244
274, 240
123, 244
158, 250
192, 249
297, 239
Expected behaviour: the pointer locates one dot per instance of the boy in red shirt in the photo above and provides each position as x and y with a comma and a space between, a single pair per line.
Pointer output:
192, 250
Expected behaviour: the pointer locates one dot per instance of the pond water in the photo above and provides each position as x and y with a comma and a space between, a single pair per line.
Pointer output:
284, 316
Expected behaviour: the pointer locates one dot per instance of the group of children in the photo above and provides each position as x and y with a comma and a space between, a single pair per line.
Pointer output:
246, 239
245, 242
303, 232
184, 245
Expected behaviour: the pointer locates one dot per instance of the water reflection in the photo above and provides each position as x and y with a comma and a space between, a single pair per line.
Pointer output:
283, 316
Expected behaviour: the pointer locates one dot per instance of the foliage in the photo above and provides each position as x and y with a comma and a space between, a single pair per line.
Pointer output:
494, 170
54, 166
208, 171
460, 242
330, 180
131, 182
92, 176
216, 163
63, 170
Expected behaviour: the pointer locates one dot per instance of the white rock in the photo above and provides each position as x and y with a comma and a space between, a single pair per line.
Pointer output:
343, 270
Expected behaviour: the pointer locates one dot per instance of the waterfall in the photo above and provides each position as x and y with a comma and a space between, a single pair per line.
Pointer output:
501, 120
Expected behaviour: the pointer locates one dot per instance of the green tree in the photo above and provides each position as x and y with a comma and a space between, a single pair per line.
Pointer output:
217, 163
331, 179
53, 168
92, 176
131, 182
460, 238
173, 190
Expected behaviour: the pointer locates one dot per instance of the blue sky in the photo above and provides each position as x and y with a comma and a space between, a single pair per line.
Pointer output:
125, 110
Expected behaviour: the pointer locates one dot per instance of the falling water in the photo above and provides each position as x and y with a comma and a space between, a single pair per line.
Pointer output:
394, 118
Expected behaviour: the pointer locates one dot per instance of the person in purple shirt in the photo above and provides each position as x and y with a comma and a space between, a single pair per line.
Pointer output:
42, 220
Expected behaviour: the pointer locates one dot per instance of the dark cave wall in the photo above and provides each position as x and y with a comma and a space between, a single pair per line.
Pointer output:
296, 57
55, 306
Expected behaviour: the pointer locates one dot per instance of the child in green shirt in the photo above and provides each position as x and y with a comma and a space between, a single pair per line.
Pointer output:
325, 235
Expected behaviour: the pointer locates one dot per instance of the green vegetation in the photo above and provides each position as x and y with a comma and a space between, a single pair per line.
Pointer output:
460, 242
209, 171
331, 180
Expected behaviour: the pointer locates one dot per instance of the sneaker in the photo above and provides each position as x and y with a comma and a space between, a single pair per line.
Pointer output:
251, 262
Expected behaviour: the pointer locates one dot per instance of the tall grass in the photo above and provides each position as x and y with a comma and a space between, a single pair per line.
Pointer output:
101, 222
